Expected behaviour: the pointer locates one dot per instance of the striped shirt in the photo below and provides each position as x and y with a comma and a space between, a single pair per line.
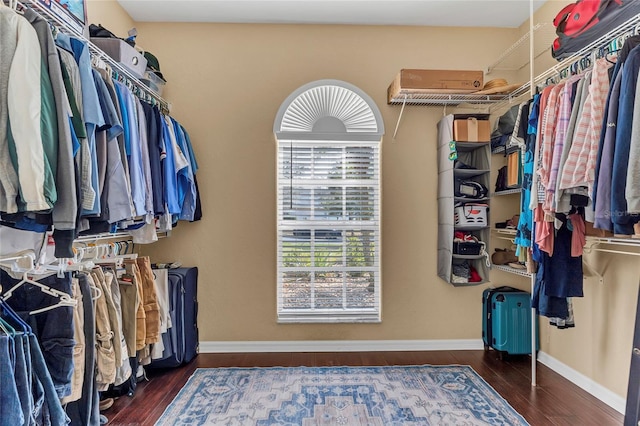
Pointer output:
579, 169
559, 138
549, 122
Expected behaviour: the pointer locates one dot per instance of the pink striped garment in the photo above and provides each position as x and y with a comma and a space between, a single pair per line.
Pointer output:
580, 166
548, 133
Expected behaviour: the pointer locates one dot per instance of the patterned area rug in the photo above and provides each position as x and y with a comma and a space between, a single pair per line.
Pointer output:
306, 396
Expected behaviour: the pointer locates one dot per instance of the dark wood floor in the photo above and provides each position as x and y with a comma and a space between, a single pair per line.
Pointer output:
555, 401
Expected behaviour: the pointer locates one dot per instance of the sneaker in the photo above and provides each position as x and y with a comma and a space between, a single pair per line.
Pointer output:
106, 403
103, 420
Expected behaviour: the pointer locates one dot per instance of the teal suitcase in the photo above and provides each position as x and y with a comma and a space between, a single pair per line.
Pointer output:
506, 325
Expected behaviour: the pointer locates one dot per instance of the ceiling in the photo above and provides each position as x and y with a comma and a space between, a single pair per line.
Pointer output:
462, 13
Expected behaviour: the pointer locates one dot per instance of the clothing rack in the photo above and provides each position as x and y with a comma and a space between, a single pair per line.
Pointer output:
116, 70
578, 62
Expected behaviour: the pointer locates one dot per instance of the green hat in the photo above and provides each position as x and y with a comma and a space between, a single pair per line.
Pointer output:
153, 64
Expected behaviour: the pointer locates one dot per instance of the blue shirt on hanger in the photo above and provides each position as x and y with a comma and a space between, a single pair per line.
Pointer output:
91, 111
169, 172
134, 155
186, 185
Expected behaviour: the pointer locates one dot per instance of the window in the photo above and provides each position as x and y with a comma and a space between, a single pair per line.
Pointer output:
328, 136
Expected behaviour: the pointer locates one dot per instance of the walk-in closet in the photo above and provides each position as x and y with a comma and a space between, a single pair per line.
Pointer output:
319, 212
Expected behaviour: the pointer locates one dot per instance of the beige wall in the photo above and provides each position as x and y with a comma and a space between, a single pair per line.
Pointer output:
226, 83
110, 15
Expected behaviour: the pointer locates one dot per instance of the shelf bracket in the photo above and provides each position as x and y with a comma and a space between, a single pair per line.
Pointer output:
404, 102
591, 271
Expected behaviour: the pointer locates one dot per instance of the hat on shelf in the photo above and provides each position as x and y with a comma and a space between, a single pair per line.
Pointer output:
497, 86
153, 64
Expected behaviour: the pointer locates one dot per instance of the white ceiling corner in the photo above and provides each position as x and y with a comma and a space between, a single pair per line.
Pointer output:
448, 13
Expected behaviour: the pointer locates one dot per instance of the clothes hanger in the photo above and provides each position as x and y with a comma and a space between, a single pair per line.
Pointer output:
19, 8
64, 298
11, 314
80, 263
6, 328
14, 261
12, 4
3, 330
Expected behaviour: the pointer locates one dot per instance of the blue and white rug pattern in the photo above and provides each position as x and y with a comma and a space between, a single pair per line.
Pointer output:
309, 396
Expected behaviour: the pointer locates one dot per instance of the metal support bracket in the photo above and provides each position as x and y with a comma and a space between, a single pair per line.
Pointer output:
404, 102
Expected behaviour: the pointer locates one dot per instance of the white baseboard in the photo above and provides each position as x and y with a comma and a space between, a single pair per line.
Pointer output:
610, 398
340, 346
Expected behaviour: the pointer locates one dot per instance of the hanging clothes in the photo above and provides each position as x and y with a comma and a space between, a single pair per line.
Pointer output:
525, 221
602, 193
622, 222
60, 165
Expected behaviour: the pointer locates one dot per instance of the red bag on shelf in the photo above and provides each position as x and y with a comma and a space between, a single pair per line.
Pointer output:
584, 21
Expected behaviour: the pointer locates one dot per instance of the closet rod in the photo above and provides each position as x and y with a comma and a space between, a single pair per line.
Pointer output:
62, 26
101, 237
10, 259
630, 253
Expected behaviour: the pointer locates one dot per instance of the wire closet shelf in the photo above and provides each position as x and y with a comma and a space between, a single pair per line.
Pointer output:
564, 68
134, 83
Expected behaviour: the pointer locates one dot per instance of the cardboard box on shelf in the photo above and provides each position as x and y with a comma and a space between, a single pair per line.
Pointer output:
435, 81
595, 232
471, 129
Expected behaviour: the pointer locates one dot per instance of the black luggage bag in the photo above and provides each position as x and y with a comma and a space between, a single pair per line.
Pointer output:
181, 340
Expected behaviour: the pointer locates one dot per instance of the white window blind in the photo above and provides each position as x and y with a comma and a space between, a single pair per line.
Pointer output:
328, 231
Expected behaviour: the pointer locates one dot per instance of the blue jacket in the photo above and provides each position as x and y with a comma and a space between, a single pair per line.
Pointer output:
622, 222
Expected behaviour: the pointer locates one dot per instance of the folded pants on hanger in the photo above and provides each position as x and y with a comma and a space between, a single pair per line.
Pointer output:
53, 328
129, 306
150, 300
78, 350
85, 410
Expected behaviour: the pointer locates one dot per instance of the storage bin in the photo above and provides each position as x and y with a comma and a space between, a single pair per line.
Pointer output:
153, 82
468, 248
470, 215
471, 129
122, 53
